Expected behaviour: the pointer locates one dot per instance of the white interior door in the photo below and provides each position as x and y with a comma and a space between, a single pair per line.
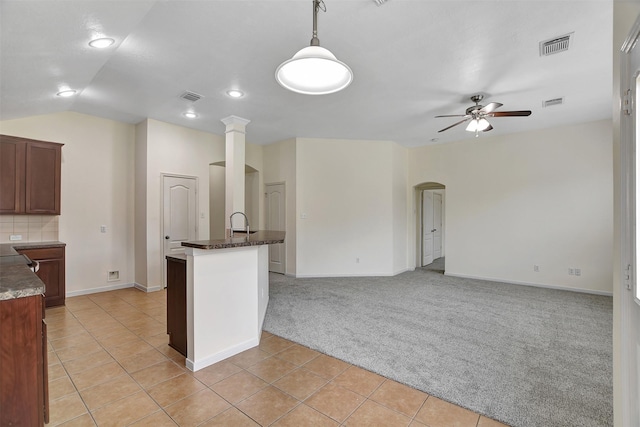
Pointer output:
179, 215
437, 225
427, 227
276, 220
629, 295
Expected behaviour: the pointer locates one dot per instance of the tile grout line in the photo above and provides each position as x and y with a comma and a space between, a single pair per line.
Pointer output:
147, 334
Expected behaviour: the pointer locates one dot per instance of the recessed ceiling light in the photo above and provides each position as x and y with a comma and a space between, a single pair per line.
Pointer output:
234, 93
190, 115
101, 43
66, 93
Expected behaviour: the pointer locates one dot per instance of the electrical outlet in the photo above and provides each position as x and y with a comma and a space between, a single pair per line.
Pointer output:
15, 237
536, 268
103, 228
578, 271
113, 276
571, 272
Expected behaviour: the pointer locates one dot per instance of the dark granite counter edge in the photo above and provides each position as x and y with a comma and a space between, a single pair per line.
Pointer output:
12, 248
263, 237
18, 281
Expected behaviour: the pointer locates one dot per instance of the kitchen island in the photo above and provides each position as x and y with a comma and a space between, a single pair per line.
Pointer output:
227, 292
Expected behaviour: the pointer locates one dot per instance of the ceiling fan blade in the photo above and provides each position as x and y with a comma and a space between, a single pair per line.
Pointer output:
455, 124
452, 115
490, 107
487, 129
511, 113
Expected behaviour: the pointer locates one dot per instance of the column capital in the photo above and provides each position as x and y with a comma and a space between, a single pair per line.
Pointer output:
235, 123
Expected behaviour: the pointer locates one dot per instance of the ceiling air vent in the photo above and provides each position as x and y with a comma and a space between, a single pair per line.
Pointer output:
379, 2
555, 45
552, 102
191, 96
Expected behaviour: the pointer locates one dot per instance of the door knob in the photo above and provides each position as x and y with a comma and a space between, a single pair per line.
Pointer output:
166, 237
433, 230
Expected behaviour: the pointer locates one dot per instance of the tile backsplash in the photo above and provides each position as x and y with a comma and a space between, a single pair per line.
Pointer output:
32, 228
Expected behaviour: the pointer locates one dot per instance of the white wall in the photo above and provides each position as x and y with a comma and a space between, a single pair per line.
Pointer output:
140, 204
254, 158
172, 149
345, 188
400, 197
513, 201
97, 189
217, 214
280, 166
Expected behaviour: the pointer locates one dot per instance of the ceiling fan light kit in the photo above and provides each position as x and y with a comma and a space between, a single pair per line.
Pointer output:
314, 70
477, 125
477, 115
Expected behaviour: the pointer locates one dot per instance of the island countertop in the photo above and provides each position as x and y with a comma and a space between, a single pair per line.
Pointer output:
261, 237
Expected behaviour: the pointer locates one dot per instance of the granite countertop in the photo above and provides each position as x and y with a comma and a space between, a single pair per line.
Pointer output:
16, 278
261, 237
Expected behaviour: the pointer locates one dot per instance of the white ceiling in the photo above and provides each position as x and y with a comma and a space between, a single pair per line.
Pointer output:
412, 60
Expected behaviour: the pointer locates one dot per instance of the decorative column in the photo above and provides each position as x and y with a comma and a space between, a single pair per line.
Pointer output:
234, 170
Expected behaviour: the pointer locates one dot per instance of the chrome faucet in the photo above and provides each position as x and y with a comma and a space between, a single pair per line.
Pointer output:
246, 220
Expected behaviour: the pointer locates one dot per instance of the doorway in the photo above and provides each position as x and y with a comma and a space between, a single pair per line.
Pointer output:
179, 215
430, 225
275, 219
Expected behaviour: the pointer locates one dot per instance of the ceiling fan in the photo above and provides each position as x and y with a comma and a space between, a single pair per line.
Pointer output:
478, 115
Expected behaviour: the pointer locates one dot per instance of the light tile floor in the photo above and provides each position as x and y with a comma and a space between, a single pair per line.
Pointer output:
110, 365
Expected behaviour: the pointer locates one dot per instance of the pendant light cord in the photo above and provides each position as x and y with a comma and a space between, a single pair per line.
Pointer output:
317, 5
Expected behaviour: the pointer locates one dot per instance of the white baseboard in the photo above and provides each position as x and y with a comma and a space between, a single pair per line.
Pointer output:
537, 285
221, 355
138, 286
146, 289
404, 270
386, 274
98, 290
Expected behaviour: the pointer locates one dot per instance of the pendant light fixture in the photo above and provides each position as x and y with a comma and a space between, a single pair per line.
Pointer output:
314, 70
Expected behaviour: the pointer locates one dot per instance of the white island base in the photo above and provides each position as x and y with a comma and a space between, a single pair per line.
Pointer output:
227, 297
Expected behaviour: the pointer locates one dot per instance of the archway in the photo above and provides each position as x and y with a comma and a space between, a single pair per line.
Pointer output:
430, 227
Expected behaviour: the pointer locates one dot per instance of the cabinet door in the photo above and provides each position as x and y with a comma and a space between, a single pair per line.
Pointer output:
12, 163
52, 273
42, 178
21, 362
45, 366
177, 304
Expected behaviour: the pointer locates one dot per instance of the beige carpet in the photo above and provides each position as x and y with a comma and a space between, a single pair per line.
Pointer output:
522, 355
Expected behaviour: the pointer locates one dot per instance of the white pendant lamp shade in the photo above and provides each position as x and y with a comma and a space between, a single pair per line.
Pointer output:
314, 70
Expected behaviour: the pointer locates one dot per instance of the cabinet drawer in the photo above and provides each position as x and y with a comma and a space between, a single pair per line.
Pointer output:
45, 253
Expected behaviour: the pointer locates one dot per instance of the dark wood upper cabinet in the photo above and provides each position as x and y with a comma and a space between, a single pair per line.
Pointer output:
29, 176
12, 164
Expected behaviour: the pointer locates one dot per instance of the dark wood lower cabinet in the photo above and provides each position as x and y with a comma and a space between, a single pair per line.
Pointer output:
177, 302
23, 362
52, 272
